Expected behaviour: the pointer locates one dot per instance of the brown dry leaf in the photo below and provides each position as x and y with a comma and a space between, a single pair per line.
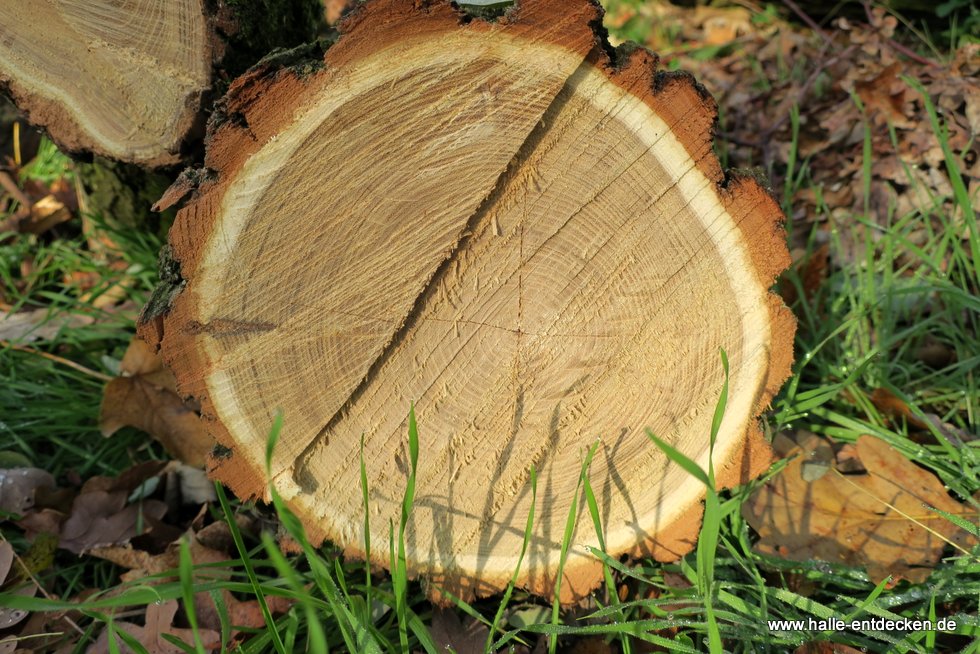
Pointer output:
146, 397
144, 564
893, 406
101, 518
56, 632
452, 635
46, 213
823, 647
37, 325
243, 614
11, 617
159, 621
17, 487
935, 354
879, 519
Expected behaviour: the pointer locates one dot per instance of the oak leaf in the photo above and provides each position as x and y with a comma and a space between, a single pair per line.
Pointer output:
453, 635
242, 614
880, 519
145, 397
17, 488
159, 621
101, 518
10, 617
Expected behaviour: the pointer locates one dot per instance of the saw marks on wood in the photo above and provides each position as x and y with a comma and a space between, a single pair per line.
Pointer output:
497, 224
566, 317
402, 174
122, 77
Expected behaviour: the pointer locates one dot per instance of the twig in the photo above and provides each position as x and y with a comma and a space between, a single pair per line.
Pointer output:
905, 50
912, 54
53, 357
805, 17
17, 142
9, 185
27, 571
805, 88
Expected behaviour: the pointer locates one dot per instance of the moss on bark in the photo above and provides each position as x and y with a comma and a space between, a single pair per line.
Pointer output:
267, 25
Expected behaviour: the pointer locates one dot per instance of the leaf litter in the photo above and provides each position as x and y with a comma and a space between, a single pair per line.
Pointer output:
886, 518
845, 78
145, 397
761, 69
135, 520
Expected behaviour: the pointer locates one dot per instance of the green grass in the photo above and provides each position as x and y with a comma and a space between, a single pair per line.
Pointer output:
858, 331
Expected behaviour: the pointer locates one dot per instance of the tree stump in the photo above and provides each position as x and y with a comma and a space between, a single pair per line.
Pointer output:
508, 224
131, 80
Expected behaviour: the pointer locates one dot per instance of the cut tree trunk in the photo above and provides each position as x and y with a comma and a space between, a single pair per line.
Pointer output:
131, 80
521, 232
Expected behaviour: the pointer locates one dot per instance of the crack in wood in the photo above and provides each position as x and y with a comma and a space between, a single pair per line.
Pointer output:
483, 214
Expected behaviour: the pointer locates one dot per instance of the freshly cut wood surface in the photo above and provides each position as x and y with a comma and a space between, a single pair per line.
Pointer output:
519, 231
132, 80
121, 79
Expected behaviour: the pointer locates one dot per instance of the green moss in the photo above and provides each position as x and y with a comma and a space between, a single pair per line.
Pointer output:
489, 10
120, 195
303, 60
171, 283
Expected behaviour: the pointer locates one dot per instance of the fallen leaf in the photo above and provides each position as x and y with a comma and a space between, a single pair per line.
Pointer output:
38, 523
45, 214
10, 617
935, 354
6, 560
894, 407
145, 397
823, 647
953, 434
141, 563
880, 519
102, 518
38, 325
159, 621
452, 635
242, 614
847, 460
17, 487
53, 631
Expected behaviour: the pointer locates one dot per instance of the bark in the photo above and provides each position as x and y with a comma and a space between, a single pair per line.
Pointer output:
133, 81
509, 225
